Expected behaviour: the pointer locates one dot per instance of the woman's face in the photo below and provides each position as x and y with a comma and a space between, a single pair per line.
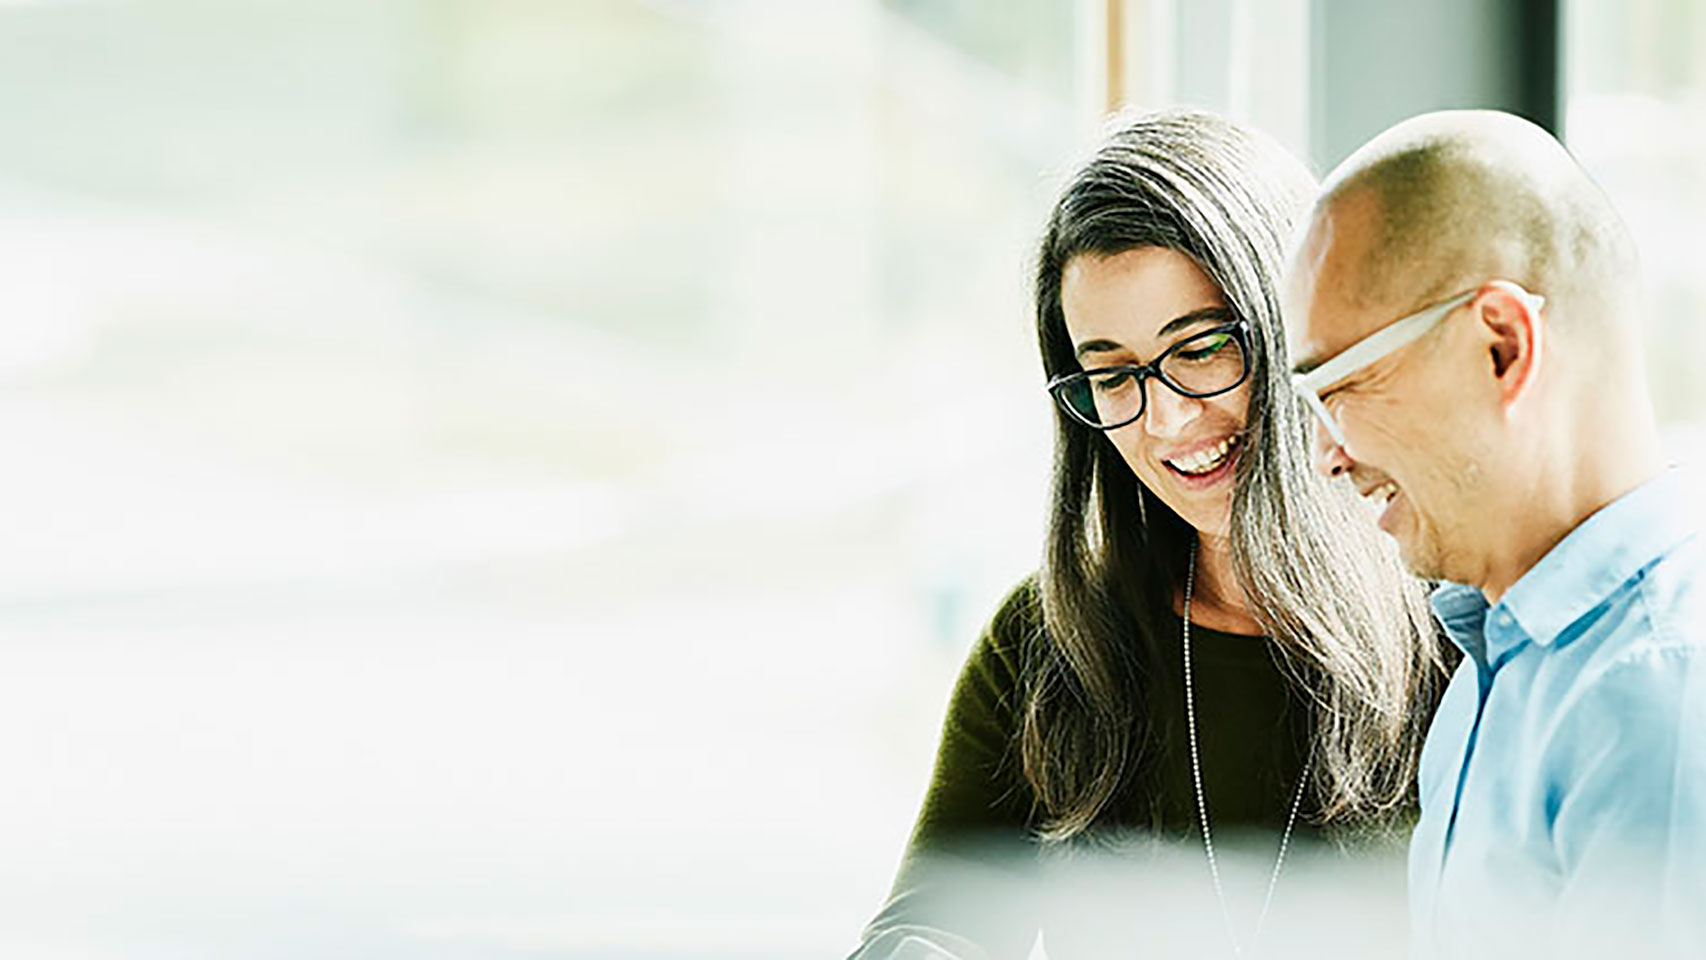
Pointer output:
1127, 309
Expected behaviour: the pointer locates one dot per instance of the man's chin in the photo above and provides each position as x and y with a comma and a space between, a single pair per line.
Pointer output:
1420, 558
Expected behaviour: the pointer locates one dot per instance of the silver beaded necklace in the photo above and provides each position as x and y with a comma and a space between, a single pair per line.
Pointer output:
1202, 804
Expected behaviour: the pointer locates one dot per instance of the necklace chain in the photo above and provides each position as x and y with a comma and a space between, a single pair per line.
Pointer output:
1202, 803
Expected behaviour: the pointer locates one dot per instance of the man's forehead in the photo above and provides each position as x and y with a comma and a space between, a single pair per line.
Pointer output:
1325, 311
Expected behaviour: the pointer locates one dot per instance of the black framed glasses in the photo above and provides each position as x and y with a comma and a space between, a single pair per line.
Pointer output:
1202, 365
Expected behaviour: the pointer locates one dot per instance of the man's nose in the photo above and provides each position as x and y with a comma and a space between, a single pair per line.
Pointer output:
1330, 458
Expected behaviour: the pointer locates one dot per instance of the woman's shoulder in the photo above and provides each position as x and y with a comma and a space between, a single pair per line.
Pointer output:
1013, 630
993, 677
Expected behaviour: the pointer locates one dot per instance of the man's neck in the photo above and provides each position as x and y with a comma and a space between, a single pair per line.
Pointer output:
1580, 481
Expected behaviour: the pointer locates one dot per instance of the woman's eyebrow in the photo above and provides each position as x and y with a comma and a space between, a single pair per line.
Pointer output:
1204, 315
1193, 318
1098, 346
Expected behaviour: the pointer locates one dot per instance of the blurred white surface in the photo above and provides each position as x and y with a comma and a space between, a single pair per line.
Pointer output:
501, 478
506, 478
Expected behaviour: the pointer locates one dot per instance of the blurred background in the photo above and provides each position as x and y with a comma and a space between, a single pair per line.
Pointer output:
512, 478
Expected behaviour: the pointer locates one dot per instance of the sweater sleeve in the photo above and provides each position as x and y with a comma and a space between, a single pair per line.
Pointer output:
964, 888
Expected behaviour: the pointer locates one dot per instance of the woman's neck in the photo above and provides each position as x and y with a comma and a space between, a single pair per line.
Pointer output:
1217, 598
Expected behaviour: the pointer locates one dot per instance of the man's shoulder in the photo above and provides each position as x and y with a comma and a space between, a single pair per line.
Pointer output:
1658, 614
1648, 672
1672, 594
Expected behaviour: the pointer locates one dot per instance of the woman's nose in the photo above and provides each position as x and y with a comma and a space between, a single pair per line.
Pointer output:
1169, 411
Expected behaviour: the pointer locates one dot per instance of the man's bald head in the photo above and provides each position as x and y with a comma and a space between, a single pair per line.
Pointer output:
1447, 200
1498, 423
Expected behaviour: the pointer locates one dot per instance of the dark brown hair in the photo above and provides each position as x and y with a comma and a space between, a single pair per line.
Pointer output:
1352, 626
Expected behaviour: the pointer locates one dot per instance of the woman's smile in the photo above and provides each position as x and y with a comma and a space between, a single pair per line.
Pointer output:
1205, 466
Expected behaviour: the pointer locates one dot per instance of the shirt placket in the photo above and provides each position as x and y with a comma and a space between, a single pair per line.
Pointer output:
1460, 776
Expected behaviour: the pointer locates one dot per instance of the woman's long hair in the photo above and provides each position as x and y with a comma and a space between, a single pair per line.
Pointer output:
1353, 628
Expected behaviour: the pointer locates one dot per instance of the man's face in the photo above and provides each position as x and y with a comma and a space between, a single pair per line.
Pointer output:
1415, 442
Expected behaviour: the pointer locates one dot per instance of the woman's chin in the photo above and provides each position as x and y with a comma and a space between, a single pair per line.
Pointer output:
1203, 501
1208, 515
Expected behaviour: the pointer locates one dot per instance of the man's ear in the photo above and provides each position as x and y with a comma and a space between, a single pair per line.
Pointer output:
1515, 332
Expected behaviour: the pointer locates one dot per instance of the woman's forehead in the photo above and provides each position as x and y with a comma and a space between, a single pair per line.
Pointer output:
1135, 298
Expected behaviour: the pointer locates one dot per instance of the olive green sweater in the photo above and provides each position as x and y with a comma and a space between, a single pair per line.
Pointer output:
970, 874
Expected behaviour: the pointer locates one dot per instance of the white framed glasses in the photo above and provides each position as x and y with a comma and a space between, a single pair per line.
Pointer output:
1398, 333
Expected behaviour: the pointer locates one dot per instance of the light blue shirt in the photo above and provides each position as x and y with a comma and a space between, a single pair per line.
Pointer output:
1563, 782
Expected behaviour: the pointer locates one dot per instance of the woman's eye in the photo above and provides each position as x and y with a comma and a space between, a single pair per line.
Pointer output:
1109, 382
1206, 349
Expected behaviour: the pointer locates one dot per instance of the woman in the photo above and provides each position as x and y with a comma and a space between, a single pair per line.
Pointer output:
1217, 640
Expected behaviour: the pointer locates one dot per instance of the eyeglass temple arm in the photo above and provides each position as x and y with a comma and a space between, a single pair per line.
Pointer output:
1379, 344
1376, 345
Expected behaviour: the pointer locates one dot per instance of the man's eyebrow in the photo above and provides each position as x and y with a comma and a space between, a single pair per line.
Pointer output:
1205, 315
1306, 366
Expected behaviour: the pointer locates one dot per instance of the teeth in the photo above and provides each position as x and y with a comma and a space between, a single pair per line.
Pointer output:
1205, 460
1384, 493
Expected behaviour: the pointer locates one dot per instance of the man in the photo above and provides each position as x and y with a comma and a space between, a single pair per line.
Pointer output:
1465, 308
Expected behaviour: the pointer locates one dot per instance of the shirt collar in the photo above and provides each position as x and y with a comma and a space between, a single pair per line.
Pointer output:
1462, 611
1600, 555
